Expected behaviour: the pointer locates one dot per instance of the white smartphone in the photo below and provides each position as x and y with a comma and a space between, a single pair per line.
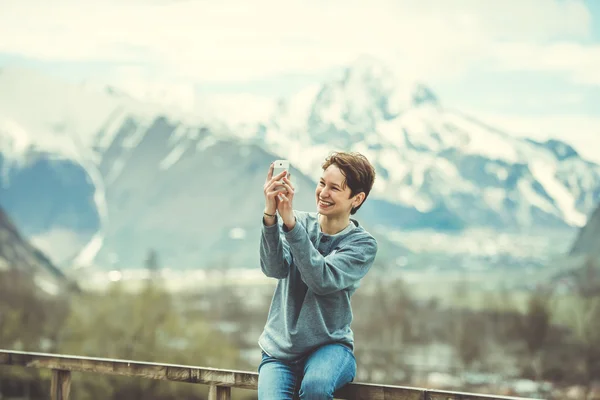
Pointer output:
279, 166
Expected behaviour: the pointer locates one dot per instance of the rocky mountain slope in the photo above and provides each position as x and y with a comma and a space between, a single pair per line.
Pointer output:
578, 271
122, 176
587, 242
18, 253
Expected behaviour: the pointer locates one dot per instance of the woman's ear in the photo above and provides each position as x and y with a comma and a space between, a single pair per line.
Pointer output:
358, 199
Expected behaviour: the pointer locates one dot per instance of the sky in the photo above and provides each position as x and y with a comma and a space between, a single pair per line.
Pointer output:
530, 67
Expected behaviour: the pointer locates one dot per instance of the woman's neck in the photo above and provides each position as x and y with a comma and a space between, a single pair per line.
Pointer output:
331, 226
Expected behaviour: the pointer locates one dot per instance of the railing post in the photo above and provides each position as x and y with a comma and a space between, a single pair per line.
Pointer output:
60, 387
219, 392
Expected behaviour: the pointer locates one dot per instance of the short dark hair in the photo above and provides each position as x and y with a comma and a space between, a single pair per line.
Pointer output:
358, 171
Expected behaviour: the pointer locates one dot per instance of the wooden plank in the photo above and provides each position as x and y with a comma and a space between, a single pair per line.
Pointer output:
360, 391
445, 395
60, 387
219, 393
221, 379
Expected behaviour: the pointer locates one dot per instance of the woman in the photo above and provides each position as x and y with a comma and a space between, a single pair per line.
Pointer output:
319, 259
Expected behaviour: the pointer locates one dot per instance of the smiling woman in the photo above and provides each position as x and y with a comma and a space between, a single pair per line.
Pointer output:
319, 259
350, 177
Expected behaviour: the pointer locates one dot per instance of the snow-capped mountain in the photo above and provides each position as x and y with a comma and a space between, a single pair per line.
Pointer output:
127, 176
435, 159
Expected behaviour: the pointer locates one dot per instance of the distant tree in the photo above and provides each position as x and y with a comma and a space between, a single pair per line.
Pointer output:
584, 318
30, 320
470, 334
29, 317
384, 325
152, 264
533, 327
467, 326
144, 326
588, 282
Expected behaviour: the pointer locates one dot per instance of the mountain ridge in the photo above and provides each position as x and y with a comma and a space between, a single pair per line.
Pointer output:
436, 168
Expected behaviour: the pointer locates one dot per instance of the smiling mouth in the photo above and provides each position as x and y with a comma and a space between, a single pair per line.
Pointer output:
325, 204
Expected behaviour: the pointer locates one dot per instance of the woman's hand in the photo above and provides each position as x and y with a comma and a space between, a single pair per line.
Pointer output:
271, 189
285, 206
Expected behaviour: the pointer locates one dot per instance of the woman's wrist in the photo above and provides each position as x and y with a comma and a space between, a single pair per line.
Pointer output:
269, 218
269, 213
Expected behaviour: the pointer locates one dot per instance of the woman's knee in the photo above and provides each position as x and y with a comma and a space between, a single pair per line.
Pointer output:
317, 387
276, 380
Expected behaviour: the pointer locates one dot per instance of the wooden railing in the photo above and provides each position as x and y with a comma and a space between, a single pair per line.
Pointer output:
220, 381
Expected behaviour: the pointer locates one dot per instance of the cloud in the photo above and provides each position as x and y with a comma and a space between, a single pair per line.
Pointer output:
581, 63
539, 101
582, 132
242, 40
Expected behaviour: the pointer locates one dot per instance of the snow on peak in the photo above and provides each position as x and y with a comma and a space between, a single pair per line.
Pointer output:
14, 139
370, 71
352, 107
369, 84
424, 95
560, 149
53, 113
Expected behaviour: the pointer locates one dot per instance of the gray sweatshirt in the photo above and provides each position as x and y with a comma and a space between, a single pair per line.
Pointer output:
317, 273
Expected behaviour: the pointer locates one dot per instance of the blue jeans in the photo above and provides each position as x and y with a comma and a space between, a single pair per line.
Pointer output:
315, 376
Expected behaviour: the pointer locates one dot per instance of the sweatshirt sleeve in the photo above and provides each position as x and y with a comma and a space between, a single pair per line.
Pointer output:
275, 256
336, 271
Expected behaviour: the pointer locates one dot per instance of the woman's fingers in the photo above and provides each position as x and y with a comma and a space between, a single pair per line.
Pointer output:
276, 184
288, 181
283, 198
270, 176
279, 176
273, 193
288, 187
273, 181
